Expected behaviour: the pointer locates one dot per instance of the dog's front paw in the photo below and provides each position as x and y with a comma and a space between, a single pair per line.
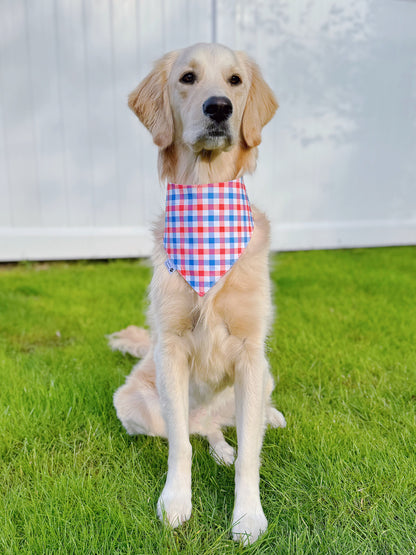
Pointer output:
174, 506
248, 525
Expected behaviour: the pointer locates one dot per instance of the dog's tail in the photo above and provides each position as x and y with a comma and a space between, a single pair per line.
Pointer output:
132, 340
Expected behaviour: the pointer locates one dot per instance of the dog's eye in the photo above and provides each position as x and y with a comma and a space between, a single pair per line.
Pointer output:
235, 80
188, 78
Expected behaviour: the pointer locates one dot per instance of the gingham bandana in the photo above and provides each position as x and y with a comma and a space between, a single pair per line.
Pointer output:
207, 228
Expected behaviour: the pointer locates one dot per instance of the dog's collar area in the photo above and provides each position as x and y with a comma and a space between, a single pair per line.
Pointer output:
239, 182
207, 228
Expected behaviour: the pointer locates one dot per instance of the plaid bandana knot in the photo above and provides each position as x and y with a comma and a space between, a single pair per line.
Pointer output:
207, 228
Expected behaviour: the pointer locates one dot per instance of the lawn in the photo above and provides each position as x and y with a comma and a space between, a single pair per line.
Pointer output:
341, 478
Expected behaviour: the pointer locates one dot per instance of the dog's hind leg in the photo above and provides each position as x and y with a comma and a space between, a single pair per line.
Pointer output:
137, 401
207, 421
132, 340
273, 417
222, 451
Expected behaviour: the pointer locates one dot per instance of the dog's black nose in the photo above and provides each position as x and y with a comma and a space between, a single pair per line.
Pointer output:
218, 108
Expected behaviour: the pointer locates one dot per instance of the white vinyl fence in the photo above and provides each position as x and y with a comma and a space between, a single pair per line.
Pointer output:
78, 178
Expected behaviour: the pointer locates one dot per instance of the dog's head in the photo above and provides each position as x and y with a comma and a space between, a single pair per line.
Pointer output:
206, 97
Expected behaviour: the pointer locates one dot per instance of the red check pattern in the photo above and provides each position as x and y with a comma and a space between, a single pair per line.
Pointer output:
207, 228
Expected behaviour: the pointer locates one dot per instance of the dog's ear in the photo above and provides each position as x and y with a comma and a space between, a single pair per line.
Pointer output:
150, 102
260, 107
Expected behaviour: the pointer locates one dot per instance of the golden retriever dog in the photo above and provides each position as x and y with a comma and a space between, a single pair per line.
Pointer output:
203, 362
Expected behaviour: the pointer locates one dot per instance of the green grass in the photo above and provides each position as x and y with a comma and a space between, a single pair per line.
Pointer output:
341, 478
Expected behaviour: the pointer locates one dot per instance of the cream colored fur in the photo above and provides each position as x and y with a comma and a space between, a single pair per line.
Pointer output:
203, 363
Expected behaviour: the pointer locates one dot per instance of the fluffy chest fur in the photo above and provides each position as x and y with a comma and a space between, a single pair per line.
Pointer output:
212, 330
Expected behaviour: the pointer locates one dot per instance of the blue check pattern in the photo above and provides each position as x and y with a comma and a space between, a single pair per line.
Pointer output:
207, 228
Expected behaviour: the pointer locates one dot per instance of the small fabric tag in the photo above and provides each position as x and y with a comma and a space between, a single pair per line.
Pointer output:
169, 265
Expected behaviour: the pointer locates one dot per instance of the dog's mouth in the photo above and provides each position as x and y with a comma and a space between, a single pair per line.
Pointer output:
215, 137
221, 129
217, 133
